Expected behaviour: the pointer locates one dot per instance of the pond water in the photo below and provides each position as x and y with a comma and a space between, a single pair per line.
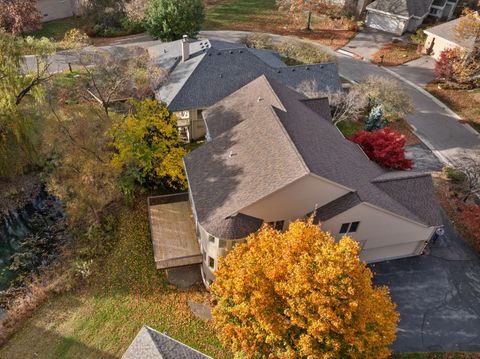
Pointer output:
20, 229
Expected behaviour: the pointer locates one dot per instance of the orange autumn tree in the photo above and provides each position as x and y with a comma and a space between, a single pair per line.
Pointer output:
301, 294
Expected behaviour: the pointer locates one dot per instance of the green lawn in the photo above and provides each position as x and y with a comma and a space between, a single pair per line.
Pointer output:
56, 29
230, 14
100, 319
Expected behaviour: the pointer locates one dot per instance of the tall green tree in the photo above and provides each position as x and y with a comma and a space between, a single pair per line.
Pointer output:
21, 99
148, 148
169, 20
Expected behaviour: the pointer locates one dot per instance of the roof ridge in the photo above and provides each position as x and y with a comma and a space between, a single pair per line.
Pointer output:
287, 135
409, 175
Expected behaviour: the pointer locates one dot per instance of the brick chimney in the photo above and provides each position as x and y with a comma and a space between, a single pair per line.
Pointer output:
185, 48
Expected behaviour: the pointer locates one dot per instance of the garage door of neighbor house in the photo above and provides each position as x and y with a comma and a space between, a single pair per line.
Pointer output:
386, 23
55, 9
392, 252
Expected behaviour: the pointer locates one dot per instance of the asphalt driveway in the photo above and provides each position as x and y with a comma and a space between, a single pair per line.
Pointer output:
437, 296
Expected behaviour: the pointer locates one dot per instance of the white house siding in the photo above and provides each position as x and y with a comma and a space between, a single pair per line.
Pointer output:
295, 200
56, 9
439, 45
387, 23
382, 235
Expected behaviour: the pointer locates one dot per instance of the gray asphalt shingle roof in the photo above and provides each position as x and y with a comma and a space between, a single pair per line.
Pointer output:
216, 69
151, 344
448, 32
264, 137
405, 8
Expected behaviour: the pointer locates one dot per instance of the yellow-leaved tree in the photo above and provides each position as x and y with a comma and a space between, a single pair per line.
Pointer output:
301, 294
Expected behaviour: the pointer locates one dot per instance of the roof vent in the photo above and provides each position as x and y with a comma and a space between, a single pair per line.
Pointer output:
219, 53
231, 154
308, 68
260, 99
241, 51
279, 71
231, 52
293, 70
221, 76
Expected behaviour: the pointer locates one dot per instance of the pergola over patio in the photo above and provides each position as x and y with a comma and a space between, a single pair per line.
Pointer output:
173, 231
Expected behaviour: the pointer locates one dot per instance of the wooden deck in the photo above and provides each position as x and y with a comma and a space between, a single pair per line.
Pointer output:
173, 232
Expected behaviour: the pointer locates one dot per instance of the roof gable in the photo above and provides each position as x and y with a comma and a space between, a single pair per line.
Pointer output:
214, 73
151, 344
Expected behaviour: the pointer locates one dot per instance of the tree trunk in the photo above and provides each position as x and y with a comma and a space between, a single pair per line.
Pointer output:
309, 21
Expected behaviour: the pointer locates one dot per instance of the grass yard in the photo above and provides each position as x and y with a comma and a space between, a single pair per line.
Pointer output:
56, 29
464, 102
101, 318
264, 16
395, 54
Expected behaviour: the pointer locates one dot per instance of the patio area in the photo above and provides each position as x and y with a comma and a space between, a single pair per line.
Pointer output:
173, 231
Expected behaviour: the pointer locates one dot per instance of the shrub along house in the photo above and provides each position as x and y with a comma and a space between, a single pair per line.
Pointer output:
202, 72
400, 16
274, 156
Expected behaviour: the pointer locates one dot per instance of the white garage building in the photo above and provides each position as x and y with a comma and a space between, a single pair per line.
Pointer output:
400, 16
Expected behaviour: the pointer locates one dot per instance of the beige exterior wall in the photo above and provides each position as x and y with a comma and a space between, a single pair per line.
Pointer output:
439, 45
191, 120
56, 9
382, 235
295, 200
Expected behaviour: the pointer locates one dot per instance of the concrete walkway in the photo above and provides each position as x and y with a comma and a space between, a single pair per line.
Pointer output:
367, 42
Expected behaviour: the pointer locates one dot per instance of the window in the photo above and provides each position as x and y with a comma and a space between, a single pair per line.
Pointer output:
211, 262
211, 239
222, 243
349, 227
278, 225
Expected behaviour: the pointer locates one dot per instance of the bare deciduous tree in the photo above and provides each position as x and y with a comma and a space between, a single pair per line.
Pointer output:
470, 166
345, 105
118, 73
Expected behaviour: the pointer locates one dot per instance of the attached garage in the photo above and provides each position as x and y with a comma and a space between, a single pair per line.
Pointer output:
387, 23
382, 235
55, 9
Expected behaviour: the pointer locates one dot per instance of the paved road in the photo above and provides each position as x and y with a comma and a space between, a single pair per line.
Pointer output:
435, 124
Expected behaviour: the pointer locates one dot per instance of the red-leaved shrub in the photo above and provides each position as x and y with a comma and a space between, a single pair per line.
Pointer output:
385, 146
444, 64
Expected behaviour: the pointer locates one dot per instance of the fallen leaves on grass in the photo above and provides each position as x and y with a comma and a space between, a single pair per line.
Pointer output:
395, 54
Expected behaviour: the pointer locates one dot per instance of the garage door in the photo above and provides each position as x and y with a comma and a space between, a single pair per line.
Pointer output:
385, 23
391, 252
55, 9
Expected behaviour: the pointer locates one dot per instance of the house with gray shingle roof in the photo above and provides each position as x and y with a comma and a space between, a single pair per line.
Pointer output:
151, 344
444, 36
202, 72
274, 156
400, 16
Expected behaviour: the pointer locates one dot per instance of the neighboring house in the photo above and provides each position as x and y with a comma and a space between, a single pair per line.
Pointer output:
400, 16
274, 156
151, 344
202, 72
56, 9
444, 36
